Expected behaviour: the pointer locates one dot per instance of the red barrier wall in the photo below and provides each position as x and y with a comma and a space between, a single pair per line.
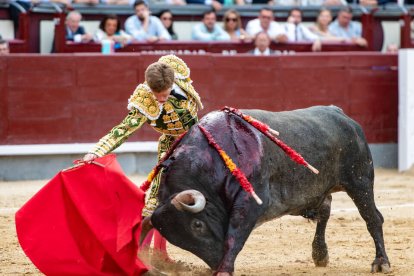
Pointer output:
79, 97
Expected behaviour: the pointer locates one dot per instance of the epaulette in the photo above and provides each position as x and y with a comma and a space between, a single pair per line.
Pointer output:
144, 100
182, 76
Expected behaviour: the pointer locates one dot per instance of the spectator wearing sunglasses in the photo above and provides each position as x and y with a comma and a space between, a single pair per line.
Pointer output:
233, 26
166, 18
265, 23
208, 29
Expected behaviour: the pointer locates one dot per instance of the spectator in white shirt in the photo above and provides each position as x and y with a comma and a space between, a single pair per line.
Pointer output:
265, 23
262, 42
145, 27
297, 32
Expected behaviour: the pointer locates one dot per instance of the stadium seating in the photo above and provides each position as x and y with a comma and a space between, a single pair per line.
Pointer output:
44, 20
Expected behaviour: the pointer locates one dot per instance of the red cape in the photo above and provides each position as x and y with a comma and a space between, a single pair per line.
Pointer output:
85, 221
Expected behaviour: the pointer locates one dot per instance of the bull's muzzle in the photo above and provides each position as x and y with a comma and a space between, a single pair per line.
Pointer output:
189, 200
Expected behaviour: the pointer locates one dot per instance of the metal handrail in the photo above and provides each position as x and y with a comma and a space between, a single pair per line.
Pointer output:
17, 6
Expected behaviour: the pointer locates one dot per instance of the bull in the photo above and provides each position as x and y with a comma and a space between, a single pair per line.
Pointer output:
204, 210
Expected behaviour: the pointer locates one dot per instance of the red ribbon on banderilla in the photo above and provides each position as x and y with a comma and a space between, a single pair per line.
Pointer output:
235, 171
147, 183
271, 134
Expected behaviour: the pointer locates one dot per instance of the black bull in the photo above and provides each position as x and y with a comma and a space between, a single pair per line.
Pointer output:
214, 221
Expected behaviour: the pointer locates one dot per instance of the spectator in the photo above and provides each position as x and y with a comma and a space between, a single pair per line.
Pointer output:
372, 3
292, 3
74, 31
262, 42
233, 26
412, 29
110, 29
296, 31
145, 27
345, 28
233, 2
215, 4
265, 23
174, 2
117, 2
369, 2
260, 2
208, 30
166, 17
326, 3
4, 47
88, 2
392, 48
322, 24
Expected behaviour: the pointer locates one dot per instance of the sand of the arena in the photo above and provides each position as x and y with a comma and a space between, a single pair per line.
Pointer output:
280, 247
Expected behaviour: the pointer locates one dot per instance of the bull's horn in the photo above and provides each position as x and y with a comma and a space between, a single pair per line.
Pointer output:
189, 200
146, 226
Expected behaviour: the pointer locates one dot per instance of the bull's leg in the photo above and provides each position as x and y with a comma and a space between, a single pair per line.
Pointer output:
243, 218
363, 196
320, 254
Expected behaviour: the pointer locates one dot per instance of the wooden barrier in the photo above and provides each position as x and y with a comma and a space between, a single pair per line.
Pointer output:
206, 47
69, 98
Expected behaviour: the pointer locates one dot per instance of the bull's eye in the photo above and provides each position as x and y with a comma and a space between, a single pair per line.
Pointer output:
198, 227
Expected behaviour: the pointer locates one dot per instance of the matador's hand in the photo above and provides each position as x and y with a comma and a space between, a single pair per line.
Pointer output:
89, 157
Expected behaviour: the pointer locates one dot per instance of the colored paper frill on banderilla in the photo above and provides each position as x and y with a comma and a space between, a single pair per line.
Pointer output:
85, 221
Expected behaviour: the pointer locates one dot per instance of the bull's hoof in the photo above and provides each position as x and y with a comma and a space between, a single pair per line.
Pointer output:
223, 274
322, 262
381, 265
320, 254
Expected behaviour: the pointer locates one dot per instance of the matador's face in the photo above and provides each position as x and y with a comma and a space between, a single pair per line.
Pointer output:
163, 95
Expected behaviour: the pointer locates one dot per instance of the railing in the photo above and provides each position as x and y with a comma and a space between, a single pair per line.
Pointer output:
195, 47
20, 43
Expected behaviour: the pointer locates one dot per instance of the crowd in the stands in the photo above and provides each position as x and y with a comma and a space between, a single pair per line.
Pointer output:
145, 27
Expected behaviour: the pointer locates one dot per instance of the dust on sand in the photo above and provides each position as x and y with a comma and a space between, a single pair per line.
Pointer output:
279, 247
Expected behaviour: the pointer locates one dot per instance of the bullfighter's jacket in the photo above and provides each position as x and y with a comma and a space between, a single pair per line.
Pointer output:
171, 118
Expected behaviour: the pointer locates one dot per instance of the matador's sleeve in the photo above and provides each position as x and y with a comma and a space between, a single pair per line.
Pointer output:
120, 133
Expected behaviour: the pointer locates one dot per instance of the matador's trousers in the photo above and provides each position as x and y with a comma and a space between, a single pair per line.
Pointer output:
151, 200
